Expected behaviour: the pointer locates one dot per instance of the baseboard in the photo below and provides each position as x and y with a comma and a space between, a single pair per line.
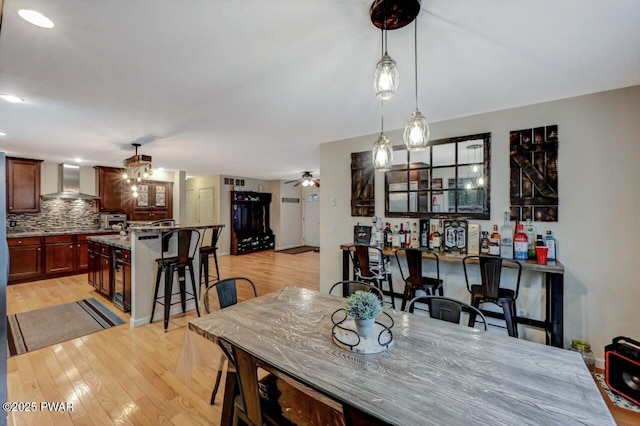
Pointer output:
288, 247
159, 314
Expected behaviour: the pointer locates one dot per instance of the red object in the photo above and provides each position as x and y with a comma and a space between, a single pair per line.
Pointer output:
541, 254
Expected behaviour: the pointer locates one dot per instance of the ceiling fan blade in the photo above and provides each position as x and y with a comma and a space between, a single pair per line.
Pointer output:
299, 182
291, 181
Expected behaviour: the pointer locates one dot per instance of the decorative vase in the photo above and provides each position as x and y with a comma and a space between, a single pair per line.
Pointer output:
364, 327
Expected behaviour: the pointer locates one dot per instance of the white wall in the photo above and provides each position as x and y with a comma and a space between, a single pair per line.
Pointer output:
286, 217
597, 232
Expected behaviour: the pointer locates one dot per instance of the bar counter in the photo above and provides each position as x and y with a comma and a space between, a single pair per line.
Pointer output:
553, 273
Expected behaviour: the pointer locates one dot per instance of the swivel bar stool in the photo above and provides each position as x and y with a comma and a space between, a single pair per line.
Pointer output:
187, 243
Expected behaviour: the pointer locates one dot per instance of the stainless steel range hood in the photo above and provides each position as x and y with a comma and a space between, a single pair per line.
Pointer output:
69, 184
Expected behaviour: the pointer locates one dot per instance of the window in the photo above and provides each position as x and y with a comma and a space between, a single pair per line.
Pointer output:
450, 178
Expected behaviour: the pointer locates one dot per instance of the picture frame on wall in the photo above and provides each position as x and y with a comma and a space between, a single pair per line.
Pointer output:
143, 199
160, 199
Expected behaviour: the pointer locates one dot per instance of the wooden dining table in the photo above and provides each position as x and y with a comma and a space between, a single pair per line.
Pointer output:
435, 372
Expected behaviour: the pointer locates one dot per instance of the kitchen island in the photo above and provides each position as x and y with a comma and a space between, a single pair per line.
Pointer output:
143, 246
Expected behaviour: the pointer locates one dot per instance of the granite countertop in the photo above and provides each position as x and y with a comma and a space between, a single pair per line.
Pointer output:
33, 232
123, 242
151, 228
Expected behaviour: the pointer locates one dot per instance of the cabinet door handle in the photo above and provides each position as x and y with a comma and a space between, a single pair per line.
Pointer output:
71, 246
10, 208
39, 249
78, 245
19, 241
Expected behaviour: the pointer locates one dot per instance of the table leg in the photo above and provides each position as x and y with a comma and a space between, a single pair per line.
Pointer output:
345, 265
555, 309
230, 393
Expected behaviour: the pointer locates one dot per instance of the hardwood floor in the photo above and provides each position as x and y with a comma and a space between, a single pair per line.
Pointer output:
125, 376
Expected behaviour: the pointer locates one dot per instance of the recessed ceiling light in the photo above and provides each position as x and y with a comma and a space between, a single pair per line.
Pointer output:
3, 134
11, 98
78, 160
36, 18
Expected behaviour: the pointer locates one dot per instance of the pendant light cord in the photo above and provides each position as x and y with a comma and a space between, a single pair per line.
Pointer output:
415, 58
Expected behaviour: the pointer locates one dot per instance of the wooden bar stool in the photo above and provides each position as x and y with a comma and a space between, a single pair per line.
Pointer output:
414, 279
187, 243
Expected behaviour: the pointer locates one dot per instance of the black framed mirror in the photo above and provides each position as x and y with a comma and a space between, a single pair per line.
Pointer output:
451, 178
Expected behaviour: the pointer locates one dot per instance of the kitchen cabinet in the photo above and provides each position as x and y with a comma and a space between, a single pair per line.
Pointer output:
102, 281
25, 257
93, 263
154, 202
110, 189
23, 185
81, 253
59, 254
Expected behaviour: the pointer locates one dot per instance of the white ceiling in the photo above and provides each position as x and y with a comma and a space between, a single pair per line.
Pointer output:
252, 88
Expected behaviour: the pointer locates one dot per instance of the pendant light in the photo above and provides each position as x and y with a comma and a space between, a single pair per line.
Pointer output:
382, 154
386, 77
416, 132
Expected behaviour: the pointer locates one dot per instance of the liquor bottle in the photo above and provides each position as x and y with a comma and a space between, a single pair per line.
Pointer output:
539, 241
387, 236
381, 236
407, 236
484, 243
415, 241
550, 242
530, 230
395, 238
494, 242
506, 244
434, 239
401, 236
424, 235
521, 244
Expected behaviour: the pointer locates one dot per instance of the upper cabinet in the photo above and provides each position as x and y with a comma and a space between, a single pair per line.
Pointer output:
23, 185
154, 201
451, 178
109, 189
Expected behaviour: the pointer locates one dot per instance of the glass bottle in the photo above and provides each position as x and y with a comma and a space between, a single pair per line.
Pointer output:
401, 237
530, 230
484, 243
494, 242
520, 244
584, 349
506, 245
395, 238
550, 242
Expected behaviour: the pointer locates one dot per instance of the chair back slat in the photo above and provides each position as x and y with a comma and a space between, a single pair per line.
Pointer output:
247, 374
362, 256
445, 310
187, 245
490, 272
227, 293
414, 263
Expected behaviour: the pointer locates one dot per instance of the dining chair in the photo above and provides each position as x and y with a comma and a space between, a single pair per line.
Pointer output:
371, 265
347, 288
446, 309
186, 244
490, 288
413, 276
227, 295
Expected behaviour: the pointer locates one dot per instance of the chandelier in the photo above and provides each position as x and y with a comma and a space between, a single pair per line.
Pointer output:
137, 168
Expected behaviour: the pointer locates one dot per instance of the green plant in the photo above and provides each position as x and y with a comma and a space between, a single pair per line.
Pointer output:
363, 305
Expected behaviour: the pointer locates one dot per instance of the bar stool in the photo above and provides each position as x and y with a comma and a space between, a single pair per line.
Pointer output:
489, 289
371, 265
414, 279
187, 243
206, 251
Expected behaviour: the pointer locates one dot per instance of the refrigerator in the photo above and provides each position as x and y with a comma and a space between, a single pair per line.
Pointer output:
4, 274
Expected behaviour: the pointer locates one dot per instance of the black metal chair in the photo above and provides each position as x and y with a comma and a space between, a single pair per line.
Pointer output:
206, 251
414, 278
169, 264
371, 265
489, 289
446, 309
227, 295
347, 288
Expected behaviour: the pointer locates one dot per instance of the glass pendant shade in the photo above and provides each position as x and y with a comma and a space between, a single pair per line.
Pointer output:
386, 78
382, 156
416, 132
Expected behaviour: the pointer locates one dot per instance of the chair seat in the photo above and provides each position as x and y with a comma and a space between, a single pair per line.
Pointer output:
425, 282
207, 250
503, 293
170, 260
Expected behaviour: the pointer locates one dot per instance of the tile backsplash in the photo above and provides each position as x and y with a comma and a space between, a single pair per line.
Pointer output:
60, 213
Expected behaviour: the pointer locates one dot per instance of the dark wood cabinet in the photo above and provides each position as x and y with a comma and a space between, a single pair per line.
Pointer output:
25, 258
23, 185
81, 253
59, 254
154, 202
110, 189
103, 275
250, 228
92, 266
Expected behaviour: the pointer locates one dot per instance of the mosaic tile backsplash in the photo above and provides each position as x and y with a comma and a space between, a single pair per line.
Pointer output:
59, 213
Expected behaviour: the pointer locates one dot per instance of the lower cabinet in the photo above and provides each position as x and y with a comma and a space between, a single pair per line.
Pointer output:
25, 258
59, 254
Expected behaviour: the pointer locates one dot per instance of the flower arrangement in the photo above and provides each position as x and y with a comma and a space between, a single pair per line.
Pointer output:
363, 305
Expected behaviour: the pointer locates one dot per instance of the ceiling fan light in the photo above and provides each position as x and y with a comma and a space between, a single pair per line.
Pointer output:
382, 155
386, 78
416, 132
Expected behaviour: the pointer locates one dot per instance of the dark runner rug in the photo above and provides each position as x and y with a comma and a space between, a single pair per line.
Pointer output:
298, 250
37, 329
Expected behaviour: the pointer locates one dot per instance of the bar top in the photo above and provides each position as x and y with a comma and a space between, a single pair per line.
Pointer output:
552, 266
118, 241
151, 228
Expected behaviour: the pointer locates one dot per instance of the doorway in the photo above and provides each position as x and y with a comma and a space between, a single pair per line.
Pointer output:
205, 199
191, 207
311, 217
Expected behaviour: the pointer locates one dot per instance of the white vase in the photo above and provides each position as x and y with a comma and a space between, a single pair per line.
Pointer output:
364, 327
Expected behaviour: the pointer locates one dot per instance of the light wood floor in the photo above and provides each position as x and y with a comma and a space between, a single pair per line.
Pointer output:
122, 375
125, 376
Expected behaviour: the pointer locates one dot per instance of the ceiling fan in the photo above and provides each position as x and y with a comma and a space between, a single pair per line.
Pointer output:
307, 179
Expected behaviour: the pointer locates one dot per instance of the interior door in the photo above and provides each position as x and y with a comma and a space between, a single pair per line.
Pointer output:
311, 217
205, 200
191, 207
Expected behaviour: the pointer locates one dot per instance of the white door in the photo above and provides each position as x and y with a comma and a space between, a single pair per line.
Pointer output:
205, 197
191, 207
311, 217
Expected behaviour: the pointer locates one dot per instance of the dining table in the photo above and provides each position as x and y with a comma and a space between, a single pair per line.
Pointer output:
434, 372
